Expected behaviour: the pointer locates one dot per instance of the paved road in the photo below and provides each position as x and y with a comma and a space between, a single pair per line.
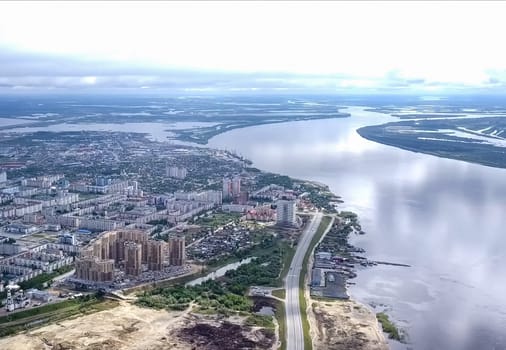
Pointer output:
295, 335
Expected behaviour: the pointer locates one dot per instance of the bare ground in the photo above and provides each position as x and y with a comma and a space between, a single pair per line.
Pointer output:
342, 324
128, 327
345, 325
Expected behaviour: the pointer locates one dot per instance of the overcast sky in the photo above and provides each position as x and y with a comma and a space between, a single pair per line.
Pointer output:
329, 46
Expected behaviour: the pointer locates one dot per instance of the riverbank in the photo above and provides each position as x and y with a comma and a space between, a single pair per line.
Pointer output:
338, 324
344, 325
425, 136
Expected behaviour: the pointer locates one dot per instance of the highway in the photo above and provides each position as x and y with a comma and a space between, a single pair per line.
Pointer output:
295, 335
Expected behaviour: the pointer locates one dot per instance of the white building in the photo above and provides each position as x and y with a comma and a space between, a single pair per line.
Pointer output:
176, 172
3, 177
285, 212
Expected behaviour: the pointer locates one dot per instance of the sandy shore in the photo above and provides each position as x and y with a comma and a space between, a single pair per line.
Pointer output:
344, 325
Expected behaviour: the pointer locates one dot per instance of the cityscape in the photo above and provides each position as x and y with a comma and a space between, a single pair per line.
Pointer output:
261, 175
113, 235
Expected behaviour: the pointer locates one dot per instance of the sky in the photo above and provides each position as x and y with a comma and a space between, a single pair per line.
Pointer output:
249, 46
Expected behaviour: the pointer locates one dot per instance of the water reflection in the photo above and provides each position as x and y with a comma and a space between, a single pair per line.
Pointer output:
443, 217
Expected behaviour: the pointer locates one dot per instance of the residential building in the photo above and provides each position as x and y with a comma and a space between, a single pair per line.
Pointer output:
286, 212
176, 172
177, 255
227, 188
94, 269
156, 255
133, 258
236, 186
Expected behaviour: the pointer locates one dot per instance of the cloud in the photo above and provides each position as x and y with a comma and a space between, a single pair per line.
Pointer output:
46, 72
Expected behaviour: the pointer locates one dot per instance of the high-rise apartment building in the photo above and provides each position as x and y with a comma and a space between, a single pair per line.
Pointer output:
133, 258
176, 172
128, 249
286, 213
236, 186
94, 269
156, 255
231, 187
227, 188
177, 255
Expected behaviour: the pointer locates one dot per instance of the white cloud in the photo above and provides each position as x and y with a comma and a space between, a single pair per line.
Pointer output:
455, 42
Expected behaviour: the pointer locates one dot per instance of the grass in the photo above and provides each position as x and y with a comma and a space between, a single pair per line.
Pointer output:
308, 344
39, 281
279, 293
280, 315
389, 327
39, 310
217, 219
260, 321
288, 253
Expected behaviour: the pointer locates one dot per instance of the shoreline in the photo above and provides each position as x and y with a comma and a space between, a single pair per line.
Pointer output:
340, 324
366, 134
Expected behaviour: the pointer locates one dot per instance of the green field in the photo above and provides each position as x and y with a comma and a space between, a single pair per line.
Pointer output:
216, 220
279, 293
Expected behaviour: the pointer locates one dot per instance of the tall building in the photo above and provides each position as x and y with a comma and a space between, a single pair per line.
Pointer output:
243, 197
177, 255
133, 258
236, 186
128, 249
231, 187
3, 176
176, 172
94, 269
286, 214
227, 188
156, 255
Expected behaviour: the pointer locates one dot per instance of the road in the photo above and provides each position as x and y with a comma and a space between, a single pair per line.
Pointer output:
295, 335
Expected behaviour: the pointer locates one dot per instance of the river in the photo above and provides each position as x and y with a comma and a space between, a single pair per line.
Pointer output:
219, 272
443, 217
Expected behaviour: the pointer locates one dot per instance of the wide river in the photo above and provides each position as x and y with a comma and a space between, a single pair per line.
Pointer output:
445, 218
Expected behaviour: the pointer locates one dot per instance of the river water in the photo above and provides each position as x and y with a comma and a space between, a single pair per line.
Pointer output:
219, 272
443, 217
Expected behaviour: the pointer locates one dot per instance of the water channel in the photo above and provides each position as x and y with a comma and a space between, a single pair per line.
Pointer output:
219, 272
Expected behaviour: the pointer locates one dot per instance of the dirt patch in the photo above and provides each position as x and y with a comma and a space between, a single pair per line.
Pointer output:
225, 335
128, 327
345, 325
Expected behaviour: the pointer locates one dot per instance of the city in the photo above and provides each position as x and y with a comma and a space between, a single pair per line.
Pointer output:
264, 175
114, 234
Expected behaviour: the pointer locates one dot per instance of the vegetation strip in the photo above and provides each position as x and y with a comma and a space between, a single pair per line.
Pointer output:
389, 327
280, 314
30, 318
